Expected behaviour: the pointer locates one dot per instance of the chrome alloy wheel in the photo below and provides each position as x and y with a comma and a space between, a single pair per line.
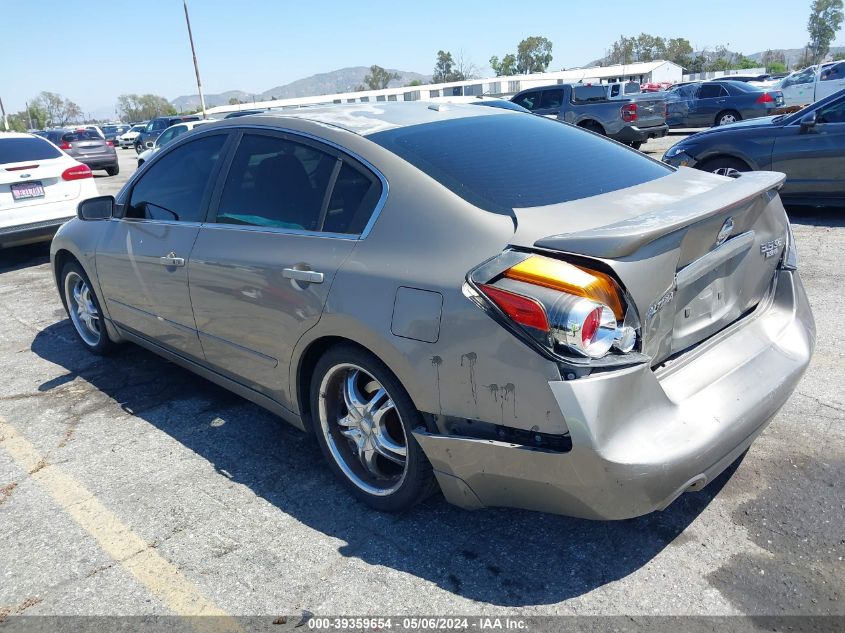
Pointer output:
363, 429
82, 309
727, 119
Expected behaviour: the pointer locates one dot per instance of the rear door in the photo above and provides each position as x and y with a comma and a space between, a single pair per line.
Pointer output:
290, 212
814, 159
142, 257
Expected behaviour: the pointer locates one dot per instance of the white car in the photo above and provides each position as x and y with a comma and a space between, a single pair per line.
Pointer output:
813, 83
40, 187
168, 135
127, 139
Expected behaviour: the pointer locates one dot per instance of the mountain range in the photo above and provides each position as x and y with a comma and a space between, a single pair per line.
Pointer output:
343, 80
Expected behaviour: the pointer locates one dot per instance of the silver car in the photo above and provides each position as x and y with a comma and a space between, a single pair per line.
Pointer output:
506, 307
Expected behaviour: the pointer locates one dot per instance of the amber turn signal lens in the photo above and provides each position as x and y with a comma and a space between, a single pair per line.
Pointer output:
566, 277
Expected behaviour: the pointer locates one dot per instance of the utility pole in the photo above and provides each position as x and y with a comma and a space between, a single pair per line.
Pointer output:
5, 119
29, 115
194, 53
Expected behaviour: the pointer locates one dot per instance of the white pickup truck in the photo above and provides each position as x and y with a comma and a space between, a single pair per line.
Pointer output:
813, 83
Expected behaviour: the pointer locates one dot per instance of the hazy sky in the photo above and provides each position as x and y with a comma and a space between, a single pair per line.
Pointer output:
93, 50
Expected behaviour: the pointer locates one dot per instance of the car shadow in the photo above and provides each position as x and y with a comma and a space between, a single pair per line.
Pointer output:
502, 557
816, 216
20, 257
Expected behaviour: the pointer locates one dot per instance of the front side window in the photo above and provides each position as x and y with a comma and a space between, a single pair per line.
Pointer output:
174, 188
834, 72
529, 100
832, 113
275, 182
166, 136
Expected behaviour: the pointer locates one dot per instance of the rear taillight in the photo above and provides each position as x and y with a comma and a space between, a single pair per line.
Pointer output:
78, 172
64, 145
629, 112
110, 143
765, 98
570, 310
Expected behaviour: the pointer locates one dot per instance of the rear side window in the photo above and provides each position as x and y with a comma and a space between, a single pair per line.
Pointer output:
275, 182
586, 94
173, 189
16, 150
491, 161
353, 200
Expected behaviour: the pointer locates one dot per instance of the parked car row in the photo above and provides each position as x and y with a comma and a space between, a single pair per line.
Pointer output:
808, 146
629, 118
170, 134
719, 102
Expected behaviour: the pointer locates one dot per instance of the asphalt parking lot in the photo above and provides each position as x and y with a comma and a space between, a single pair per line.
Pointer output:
129, 486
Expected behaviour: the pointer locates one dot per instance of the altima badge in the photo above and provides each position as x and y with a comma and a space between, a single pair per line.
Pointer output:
770, 249
655, 307
725, 231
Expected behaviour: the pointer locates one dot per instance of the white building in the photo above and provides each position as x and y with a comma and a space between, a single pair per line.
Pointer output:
643, 72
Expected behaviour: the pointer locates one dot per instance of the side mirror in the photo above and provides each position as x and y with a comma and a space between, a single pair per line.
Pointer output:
100, 208
808, 122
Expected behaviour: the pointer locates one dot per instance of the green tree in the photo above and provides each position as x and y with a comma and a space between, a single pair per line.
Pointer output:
839, 57
413, 82
647, 47
234, 101
379, 78
825, 21
59, 111
679, 51
621, 51
533, 55
505, 67
133, 107
444, 68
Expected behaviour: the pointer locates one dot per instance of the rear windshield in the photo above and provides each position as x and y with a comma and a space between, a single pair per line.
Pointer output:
16, 150
509, 161
81, 135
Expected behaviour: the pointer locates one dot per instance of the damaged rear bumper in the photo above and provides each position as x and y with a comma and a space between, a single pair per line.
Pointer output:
641, 437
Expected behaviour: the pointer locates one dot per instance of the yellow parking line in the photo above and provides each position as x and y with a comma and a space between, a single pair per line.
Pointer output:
162, 578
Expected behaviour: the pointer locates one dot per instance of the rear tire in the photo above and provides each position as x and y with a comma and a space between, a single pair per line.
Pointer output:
727, 117
592, 126
84, 309
113, 171
636, 144
363, 419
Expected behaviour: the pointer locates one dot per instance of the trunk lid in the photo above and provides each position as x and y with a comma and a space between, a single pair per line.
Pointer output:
46, 172
690, 248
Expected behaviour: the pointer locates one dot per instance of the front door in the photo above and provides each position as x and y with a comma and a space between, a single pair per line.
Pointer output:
289, 214
709, 101
813, 159
142, 258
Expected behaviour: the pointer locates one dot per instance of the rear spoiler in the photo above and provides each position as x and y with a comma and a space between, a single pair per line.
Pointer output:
626, 237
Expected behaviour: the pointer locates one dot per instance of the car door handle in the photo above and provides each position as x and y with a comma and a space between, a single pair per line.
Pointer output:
308, 276
171, 260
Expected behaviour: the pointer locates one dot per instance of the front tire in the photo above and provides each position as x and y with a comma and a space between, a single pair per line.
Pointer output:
363, 419
83, 308
722, 165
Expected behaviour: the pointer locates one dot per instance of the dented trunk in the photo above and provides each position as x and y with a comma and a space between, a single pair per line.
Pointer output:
695, 251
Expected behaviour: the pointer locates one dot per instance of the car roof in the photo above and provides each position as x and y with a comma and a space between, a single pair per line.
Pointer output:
369, 118
18, 135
